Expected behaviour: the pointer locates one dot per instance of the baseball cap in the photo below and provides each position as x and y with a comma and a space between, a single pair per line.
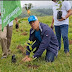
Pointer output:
32, 18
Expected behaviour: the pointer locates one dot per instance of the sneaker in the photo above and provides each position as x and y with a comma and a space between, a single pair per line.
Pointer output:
3, 57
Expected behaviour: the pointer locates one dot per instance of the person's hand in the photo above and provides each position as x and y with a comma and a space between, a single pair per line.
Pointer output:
52, 26
28, 60
25, 58
61, 19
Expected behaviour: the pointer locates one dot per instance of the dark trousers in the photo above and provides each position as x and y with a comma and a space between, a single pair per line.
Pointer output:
62, 30
49, 56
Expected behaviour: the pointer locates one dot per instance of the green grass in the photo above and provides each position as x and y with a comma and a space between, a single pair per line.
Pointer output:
61, 64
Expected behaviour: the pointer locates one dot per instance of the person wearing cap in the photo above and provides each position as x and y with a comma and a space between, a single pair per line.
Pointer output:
61, 25
45, 40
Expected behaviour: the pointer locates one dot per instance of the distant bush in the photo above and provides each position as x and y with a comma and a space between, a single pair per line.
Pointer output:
37, 12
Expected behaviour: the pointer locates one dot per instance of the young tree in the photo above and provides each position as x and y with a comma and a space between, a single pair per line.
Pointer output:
59, 14
28, 7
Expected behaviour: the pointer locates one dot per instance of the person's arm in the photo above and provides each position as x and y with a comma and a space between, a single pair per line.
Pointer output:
68, 14
68, 9
35, 45
16, 20
52, 26
44, 44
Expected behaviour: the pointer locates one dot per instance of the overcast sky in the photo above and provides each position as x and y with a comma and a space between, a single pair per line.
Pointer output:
39, 3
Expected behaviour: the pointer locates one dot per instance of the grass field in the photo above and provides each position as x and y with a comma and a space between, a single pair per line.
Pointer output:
61, 64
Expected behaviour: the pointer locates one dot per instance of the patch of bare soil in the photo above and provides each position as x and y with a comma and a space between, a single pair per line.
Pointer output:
21, 49
21, 30
25, 33
33, 66
70, 42
17, 30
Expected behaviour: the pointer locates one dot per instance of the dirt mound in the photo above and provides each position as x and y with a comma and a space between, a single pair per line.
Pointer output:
17, 30
21, 49
25, 33
70, 42
21, 30
33, 66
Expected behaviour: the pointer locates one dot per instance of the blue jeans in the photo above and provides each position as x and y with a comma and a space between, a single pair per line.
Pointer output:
49, 56
62, 30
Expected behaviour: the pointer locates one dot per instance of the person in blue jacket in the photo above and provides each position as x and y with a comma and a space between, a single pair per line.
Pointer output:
45, 40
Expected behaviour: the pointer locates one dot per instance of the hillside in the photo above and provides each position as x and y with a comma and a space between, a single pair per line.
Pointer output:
37, 12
